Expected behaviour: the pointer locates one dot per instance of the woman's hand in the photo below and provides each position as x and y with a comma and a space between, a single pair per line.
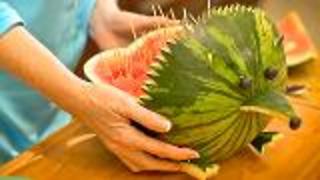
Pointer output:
111, 27
110, 112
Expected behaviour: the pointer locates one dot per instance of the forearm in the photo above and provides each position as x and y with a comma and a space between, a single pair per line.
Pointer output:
26, 58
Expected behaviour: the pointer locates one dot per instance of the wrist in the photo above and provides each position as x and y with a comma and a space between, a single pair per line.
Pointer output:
77, 102
67, 92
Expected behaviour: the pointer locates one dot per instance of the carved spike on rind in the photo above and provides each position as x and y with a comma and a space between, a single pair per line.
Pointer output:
171, 41
279, 41
243, 8
156, 66
237, 7
159, 58
219, 10
145, 97
153, 73
172, 15
188, 27
166, 49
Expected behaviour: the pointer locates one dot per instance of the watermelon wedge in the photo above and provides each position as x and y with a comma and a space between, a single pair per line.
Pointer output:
298, 45
126, 68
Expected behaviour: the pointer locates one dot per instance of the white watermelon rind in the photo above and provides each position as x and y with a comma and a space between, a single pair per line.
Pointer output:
301, 59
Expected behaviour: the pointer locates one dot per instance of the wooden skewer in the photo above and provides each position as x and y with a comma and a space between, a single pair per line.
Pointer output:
172, 15
154, 11
208, 7
160, 11
193, 18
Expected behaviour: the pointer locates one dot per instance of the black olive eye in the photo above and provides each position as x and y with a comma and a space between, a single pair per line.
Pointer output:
245, 82
295, 123
270, 73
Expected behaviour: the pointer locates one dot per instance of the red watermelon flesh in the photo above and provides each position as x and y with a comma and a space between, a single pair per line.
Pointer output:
298, 45
127, 68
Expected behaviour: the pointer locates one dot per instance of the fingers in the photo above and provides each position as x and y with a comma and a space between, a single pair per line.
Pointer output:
154, 122
147, 118
144, 161
127, 106
127, 135
113, 40
161, 149
138, 161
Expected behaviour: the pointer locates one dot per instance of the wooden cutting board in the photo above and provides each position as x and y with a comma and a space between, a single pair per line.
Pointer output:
76, 153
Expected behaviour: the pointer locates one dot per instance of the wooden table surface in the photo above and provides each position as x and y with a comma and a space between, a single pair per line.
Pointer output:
75, 152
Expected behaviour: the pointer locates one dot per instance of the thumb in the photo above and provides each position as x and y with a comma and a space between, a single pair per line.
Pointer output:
147, 118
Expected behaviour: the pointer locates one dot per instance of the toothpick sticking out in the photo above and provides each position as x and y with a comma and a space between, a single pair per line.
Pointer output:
154, 11
172, 15
160, 11
193, 19
133, 31
209, 7
185, 15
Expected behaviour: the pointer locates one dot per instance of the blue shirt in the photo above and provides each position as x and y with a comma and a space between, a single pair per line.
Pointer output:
62, 26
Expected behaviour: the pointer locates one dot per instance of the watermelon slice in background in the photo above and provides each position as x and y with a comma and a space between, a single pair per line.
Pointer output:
297, 43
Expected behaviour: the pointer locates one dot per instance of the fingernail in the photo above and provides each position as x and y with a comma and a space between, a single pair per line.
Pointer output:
167, 125
195, 155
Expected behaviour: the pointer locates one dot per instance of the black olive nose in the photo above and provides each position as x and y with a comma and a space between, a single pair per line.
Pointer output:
295, 123
270, 73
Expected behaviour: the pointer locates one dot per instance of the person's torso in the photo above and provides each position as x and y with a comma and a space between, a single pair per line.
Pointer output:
25, 116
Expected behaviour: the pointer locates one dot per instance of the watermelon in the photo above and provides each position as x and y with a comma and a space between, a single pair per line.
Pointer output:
298, 45
219, 79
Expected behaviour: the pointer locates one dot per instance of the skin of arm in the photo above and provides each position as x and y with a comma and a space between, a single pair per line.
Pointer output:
107, 110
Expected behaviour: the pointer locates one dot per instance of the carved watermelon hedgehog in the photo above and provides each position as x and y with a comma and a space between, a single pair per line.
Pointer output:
219, 80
